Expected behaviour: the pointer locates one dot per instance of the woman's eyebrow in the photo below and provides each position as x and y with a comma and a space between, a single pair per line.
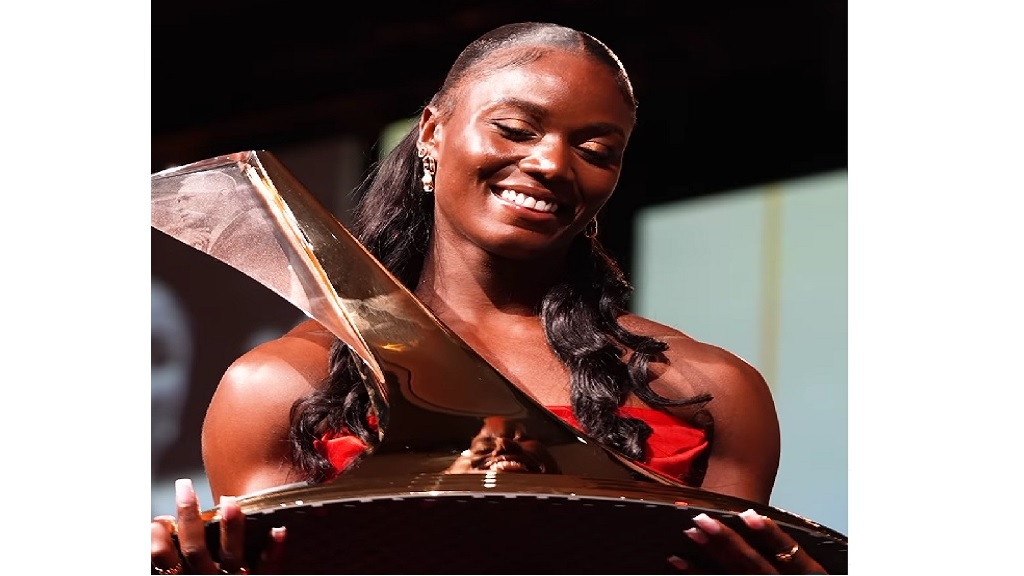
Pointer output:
531, 108
541, 112
605, 128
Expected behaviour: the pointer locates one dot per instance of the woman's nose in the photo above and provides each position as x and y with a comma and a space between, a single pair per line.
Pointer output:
549, 159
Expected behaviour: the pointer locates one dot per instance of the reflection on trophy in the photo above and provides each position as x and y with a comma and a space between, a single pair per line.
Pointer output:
420, 496
212, 212
504, 445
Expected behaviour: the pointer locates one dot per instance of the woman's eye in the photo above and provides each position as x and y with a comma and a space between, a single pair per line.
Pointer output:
598, 153
514, 131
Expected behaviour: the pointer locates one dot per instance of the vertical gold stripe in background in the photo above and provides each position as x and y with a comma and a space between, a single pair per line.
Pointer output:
771, 284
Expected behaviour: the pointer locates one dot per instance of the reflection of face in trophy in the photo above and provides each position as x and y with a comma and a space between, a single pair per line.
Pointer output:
171, 357
502, 445
204, 209
216, 213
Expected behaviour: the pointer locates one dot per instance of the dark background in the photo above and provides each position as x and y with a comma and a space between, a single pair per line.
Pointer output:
732, 94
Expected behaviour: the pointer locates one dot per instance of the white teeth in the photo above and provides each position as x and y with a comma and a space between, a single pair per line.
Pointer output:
504, 465
520, 199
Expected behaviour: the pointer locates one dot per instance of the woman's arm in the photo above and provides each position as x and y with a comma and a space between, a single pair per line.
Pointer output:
745, 450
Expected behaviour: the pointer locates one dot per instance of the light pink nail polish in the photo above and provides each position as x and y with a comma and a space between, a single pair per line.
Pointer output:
678, 562
707, 523
752, 519
228, 509
184, 495
696, 535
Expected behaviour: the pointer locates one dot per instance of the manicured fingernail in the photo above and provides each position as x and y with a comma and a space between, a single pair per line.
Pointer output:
278, 533
696, 535
678, 562
184, 495
707, 523
228, 509
752, 519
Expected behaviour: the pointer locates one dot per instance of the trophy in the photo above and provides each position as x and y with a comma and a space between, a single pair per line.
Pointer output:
409, 504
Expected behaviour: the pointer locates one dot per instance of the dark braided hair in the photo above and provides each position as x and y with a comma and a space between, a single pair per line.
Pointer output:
393, 218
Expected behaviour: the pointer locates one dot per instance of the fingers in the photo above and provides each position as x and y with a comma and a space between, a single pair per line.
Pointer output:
726, 548
232, 536
163, 554
760, 547
195, 557
272, 559
688, 566
192, 530
782, 548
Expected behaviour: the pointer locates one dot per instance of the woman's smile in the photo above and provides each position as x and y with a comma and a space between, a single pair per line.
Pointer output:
528, 202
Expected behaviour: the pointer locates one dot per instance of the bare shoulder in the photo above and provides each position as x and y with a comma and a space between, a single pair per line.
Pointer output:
298, 359
245, 432
692, 367
271, 376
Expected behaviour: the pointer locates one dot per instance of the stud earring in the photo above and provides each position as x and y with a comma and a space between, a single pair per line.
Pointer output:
429, 169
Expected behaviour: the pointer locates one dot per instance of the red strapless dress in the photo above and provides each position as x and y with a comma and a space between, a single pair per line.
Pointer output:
671, 449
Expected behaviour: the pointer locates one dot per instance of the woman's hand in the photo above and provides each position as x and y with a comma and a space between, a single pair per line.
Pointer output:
767, 549
190, 555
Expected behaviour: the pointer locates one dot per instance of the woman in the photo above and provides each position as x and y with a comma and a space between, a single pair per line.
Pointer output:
487, 211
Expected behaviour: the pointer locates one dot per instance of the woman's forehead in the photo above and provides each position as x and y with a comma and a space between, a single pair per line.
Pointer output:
528, 75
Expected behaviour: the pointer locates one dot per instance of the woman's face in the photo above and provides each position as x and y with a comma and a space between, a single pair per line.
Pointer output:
528, 155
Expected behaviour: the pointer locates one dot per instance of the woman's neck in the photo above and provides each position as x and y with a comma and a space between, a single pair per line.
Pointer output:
475, 286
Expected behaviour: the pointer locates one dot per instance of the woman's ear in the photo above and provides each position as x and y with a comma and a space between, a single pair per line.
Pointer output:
430, 130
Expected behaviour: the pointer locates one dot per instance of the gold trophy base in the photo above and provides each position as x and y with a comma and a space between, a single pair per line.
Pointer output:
503, 523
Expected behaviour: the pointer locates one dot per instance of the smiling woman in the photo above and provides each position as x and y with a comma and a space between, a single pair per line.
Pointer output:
486, 212
545, 136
